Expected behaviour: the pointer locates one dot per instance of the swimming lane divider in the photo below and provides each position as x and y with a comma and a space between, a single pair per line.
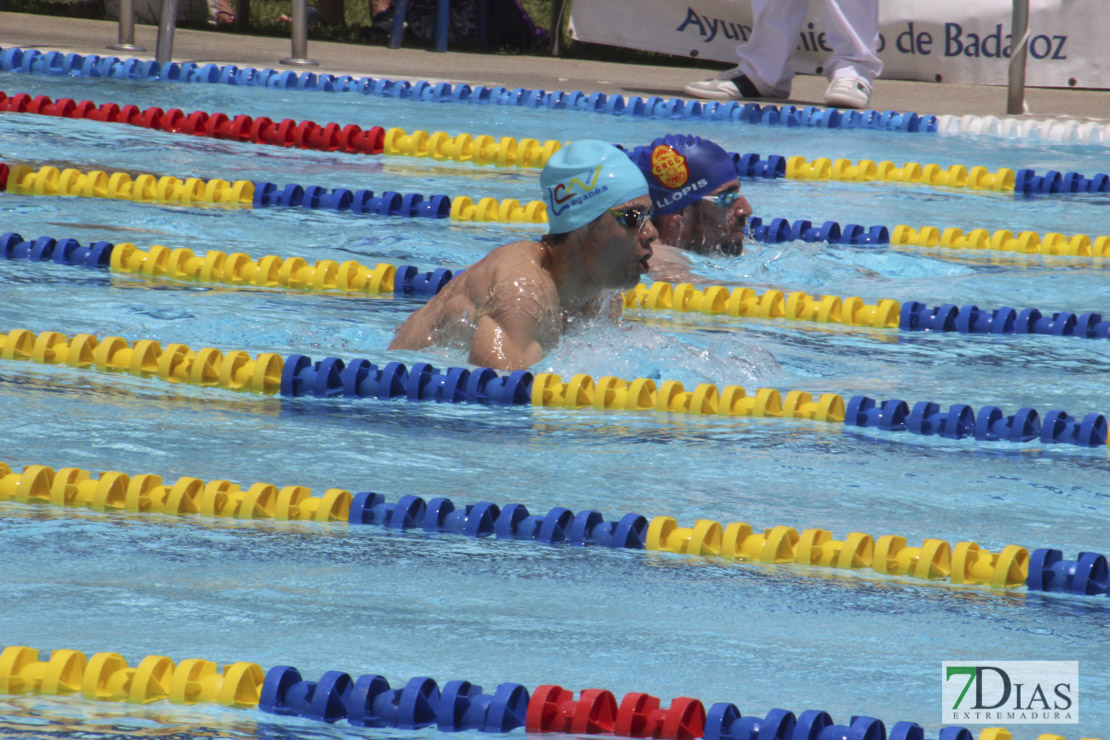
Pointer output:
407, 280
370, 701
766, 231
55, 63
1066, 131
58, 63
329, 137
299, 375
852, 311
508, 152
966, 563
49, 180
1025, 181
236, 268
146, 188
779, 230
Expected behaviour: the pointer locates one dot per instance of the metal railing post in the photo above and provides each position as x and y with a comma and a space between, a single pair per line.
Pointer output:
163, 50
556, 23
300, 36
1019, 48
126, 28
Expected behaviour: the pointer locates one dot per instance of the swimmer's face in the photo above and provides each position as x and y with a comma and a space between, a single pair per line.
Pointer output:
715, 222
623, 248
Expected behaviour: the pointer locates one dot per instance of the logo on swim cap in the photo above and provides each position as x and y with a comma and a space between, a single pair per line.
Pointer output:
564, 191
669, 167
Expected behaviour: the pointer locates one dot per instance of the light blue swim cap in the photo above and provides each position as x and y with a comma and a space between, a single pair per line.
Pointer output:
583, 180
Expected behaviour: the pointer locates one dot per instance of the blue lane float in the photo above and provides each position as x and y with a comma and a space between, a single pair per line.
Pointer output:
513, 522
1087, 575
63, 251
724, 722
366, 702
369, 701
779, 230
989, 425
916, 316
1028, 182
331, 377
389, 203
410, 281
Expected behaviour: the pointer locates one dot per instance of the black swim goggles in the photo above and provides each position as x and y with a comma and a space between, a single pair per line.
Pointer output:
632, 218
725, 199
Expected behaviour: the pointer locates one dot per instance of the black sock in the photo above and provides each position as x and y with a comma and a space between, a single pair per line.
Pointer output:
746, 88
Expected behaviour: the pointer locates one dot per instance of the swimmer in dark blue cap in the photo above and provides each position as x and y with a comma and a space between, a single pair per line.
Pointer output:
513, 305
696, 195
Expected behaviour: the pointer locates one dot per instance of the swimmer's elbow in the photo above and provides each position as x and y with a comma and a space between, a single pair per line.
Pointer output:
493, 347
506, 359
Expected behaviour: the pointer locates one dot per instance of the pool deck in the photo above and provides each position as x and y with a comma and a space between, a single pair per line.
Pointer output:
537, 72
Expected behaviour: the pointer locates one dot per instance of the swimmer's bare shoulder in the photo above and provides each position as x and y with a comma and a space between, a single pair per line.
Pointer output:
505, 306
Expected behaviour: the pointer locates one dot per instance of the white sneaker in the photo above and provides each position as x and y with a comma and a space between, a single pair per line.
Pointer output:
731, 85
848, 92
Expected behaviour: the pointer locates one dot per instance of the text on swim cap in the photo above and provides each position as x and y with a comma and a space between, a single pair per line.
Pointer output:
574, 192
680, 194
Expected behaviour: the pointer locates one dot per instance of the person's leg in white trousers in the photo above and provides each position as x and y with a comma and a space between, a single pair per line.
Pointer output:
851, 31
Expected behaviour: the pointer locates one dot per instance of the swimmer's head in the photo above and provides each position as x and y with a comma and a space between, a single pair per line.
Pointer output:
584, 180
681, 170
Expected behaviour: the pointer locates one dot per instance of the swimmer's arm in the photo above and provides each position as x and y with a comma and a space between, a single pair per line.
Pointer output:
506, 345
414, 332
608, 305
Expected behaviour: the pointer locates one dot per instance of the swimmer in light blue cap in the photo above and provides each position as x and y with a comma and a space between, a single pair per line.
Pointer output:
698, 205
513, 305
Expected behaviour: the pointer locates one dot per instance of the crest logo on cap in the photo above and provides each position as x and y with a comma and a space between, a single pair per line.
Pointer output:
669, 167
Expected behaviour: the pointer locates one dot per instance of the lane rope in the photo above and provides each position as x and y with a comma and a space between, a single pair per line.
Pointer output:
965, 563
407, 280
370, 701
299, 375
507, 152
1066, 131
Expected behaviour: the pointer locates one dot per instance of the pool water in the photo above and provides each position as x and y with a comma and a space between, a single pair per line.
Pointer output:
370, 600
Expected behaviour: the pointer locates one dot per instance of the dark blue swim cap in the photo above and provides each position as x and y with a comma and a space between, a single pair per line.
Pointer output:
683, 169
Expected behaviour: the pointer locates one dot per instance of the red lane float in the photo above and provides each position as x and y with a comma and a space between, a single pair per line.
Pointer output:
595, 712
640, 716
288, 133
553, 709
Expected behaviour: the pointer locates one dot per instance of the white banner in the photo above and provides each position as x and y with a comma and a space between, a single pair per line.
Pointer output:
1012, 692
962, 41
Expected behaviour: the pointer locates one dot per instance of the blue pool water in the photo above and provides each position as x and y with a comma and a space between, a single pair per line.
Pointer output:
368, 600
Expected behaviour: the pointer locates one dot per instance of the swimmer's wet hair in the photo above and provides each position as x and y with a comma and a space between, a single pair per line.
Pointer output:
555, 239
